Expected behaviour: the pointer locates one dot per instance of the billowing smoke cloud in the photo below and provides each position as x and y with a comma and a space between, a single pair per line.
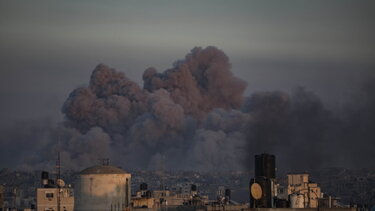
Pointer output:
163, 124
194, 116
199, 83
111, 102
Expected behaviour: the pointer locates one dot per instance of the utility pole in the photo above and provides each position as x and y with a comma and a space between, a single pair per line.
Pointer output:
15, 198
58, 168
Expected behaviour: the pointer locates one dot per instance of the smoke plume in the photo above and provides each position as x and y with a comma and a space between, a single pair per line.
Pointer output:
164, 124
194, 116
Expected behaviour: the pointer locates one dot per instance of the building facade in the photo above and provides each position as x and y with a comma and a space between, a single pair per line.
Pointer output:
54, 199
306, 193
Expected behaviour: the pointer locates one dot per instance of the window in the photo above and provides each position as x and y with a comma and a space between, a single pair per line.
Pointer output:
49, 196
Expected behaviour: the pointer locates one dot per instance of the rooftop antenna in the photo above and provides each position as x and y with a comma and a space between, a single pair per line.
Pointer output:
104, 161
58, 166
58, 176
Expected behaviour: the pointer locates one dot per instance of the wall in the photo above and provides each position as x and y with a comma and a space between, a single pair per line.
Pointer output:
43, 202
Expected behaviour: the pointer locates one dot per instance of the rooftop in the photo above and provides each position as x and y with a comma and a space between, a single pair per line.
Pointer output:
103, 169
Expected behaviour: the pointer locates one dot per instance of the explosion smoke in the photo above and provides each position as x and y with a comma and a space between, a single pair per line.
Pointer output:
194, 116
165, 118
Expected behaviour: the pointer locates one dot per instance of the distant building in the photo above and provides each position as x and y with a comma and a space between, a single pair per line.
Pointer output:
297, 191
143, 202
303, 192
165, 199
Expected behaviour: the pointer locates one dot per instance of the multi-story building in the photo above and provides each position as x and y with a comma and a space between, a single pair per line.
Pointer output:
54, 199
54, 195
299, 185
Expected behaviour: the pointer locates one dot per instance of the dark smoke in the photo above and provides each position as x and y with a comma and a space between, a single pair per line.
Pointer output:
357, 125
305, 135
194, 116
297, 128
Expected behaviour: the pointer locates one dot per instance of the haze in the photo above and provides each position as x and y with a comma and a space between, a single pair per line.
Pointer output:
48, 48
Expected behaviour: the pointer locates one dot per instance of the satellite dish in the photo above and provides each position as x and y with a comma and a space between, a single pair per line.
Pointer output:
60, 183
256, 191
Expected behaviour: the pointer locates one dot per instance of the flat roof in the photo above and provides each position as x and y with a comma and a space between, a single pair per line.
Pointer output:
103, 169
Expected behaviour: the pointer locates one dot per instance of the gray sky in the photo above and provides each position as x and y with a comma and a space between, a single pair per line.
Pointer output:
48, 48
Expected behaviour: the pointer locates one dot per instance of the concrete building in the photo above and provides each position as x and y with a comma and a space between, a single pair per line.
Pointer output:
54, 195
303, 192
143, 202
165, 199
50, 199
103, 188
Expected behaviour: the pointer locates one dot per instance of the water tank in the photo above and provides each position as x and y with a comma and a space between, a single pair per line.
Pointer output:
296, 201
148, 194
143, 186
265, 166
265, 201
50, 184
300, 201
193, 187
44, 178
228, 194
293, 200
102, 188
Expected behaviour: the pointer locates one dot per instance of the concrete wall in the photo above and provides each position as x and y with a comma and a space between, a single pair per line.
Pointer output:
143, 202
295, 179
44, 203
225, 207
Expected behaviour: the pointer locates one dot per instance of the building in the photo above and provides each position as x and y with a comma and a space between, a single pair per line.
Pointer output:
306, 192
263, 186
143, 202
50, 199
297, 191
165, 199
54, 195
103, 188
